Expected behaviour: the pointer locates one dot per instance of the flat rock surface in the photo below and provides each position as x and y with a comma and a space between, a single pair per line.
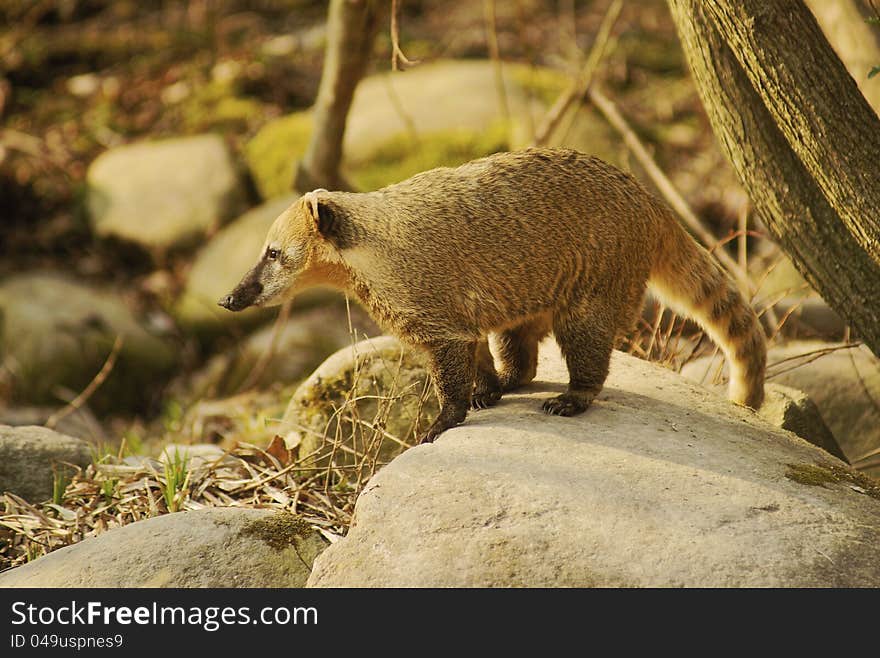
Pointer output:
659, 483
213, 547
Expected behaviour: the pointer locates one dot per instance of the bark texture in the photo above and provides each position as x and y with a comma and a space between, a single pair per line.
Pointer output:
801, 137
351, 27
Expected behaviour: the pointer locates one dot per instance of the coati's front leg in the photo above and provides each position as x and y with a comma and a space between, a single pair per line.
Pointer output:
487, 386
586, 339
452, 365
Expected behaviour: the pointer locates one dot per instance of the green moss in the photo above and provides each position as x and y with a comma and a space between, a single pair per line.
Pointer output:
542, 83
818, 475
405, 155
216, 106
280, 530
272, 152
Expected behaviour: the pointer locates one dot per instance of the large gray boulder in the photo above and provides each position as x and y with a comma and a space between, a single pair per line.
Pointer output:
163, 194
371, 397
660, 483
844, 384
31, 456
213, 547
56, 333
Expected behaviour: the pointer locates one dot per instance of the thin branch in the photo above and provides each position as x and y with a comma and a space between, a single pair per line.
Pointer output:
87, 392
495, 54
397, 56
579, 87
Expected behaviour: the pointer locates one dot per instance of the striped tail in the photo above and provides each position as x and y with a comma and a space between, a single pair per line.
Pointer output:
689, 280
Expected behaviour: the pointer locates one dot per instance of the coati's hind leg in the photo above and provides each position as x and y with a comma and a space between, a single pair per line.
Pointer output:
487, 386
517, 350
452, 366
586, 337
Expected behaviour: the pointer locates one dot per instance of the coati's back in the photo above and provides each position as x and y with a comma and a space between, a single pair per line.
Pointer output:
516, 233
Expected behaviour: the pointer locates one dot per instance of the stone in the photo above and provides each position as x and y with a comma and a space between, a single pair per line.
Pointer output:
211, 547
30, 457
442, 113
843, 383
373, 395
163, 194
56, 334
659, 484
793, 410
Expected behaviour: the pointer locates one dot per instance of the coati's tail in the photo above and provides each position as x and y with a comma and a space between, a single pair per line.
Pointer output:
689, 280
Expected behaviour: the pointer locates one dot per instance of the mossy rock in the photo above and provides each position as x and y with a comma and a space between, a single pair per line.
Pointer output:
440, 114
57, 333
249, 417
212, 547
274, 150
357, 400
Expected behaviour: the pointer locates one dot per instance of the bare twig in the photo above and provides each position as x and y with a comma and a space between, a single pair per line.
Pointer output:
579, 87
397, 56
813, 355
87, 392
397, 104
495, 54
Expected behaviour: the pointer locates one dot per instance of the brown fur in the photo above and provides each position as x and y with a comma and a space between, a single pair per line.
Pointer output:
513, 245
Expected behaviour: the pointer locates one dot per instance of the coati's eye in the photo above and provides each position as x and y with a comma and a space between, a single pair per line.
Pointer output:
272, 254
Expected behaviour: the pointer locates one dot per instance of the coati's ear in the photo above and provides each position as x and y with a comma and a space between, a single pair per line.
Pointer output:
322, 214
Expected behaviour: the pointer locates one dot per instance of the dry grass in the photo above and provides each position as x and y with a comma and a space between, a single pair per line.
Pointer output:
320, 487
116, 492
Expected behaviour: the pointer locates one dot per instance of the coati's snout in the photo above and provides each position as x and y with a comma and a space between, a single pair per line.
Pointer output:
290, 250
261, 286
245, 294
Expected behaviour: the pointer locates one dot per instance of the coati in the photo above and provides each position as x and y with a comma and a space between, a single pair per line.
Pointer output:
513, 246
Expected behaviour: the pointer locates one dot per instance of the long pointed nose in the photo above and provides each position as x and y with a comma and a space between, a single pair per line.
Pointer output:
227, 302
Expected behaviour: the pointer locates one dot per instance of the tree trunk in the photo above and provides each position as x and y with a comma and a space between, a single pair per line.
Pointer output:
351, 26
855, 41
801, 137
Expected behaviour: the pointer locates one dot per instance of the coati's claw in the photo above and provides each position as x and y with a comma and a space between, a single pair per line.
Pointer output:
566, 404
485, 399
428, 437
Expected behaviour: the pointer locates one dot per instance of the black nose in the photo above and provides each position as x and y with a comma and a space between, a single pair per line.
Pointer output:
227, 302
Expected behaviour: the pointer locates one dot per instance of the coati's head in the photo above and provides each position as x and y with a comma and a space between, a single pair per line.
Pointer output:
297, 241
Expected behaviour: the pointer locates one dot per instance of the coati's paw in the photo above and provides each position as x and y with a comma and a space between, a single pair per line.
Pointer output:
485, 399
567, 404
442, 423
